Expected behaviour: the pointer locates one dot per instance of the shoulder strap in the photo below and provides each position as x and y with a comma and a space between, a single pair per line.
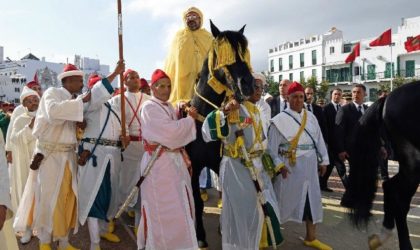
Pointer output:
100, 134
113, 112
313, 141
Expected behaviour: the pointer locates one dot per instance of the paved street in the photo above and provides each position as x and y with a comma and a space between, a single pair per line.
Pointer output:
335, 230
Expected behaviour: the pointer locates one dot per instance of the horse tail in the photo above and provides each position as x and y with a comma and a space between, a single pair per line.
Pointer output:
364, 162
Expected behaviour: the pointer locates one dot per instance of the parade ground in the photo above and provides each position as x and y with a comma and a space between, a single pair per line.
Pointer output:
336, 229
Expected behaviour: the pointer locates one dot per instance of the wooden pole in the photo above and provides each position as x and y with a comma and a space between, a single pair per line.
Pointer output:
121, 57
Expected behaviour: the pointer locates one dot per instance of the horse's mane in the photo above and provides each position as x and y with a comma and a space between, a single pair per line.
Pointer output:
236, 39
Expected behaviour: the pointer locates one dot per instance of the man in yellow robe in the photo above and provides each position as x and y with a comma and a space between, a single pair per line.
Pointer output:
186, 56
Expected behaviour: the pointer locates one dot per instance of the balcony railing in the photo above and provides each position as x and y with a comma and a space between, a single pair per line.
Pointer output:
373, 76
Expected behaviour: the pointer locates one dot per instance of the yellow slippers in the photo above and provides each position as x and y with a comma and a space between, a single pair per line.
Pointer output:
69, 247
110, 237
204, 195
131, 214
219, 203
317, 244
111, 226
45, 246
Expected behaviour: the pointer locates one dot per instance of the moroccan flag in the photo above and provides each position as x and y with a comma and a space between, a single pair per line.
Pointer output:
382, 40
412, 43
354, 53
36, 78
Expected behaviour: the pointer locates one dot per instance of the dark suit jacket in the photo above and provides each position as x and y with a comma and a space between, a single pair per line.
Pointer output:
275, 105
317, 111
329, 114
345, 121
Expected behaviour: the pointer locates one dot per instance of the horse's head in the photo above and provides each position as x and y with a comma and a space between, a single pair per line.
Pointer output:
229, 63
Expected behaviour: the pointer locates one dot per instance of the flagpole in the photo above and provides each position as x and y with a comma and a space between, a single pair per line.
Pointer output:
392, 68
121, 57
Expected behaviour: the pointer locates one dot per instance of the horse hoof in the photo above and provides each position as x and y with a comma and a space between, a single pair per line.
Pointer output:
374, 242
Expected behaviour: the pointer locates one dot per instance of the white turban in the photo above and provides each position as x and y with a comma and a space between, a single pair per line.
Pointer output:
261, 77
27, 92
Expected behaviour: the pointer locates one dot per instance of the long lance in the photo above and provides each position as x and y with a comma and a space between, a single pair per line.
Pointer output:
120, 46
136, 188
260, 196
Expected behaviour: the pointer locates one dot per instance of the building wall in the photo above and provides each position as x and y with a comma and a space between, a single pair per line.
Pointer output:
372, 67
14, 75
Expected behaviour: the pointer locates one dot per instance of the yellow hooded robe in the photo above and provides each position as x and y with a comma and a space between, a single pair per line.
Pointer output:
186, 57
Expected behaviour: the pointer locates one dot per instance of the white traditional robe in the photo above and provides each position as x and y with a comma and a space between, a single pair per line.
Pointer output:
167, 207
55, 123
24, 142
303, 179
9, 147
130, 169
7, 236
265, 113
90, 176
242, 217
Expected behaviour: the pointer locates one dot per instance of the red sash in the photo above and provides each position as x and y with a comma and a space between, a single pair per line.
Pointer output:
135, 116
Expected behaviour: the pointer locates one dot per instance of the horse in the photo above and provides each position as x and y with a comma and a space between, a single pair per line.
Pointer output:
225, 70
392, 119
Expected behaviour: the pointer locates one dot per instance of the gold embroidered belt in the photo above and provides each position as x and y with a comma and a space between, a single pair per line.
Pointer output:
102, 141
56, 147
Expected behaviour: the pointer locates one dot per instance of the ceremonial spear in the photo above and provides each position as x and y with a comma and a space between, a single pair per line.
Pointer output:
121, 57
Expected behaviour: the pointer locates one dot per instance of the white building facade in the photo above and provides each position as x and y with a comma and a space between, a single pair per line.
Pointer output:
15, 74
373, 67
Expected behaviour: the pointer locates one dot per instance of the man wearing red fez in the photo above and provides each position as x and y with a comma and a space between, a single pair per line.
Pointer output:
100, 160
130, 171
34, 85
295, 140
54, 156
144, 86
167, 206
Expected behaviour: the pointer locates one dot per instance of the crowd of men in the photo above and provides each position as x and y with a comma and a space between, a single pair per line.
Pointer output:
70, 164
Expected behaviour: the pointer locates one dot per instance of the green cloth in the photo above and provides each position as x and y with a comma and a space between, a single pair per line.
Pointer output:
4, 123
100, 206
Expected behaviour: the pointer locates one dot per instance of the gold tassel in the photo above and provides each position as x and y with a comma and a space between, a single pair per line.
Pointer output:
233, 117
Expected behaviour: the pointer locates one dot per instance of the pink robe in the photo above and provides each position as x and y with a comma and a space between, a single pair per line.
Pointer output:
167, 209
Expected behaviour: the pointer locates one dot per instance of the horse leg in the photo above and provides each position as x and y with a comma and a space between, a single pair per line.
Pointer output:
389, 188
199, 205
406, 191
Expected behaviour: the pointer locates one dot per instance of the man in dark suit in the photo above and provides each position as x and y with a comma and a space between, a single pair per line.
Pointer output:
316, 110
330, 112
346, 119
279, 103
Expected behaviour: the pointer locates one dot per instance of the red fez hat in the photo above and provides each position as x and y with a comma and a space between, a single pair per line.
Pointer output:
32, 84
295, 87
69, 70
128, 71
94, 78
143, 83
157, 75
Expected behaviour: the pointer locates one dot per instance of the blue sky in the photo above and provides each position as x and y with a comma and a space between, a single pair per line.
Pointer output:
60, 29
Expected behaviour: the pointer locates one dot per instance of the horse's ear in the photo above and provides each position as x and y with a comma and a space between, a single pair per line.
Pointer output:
214, 30
242, 30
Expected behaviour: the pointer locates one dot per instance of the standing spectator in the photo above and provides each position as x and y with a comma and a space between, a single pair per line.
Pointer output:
279, 103
316, 110
346, 119
330, 112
